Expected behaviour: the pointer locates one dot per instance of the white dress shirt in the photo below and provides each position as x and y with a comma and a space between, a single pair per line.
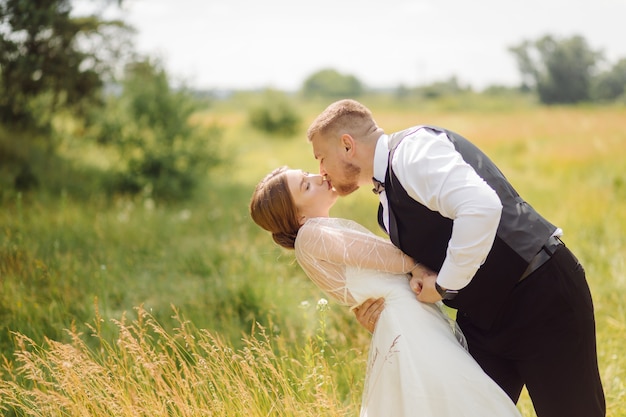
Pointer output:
434, 174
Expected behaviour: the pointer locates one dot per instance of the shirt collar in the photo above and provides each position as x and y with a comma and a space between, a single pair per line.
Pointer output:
381, 157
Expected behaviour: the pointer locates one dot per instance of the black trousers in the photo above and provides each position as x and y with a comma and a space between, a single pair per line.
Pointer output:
545, 339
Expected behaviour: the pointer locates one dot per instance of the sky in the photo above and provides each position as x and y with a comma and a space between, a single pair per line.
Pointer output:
248, 44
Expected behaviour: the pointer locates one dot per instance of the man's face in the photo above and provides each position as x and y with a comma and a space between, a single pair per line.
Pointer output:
334, 166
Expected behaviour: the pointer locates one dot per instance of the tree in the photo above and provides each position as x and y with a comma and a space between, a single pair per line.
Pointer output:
610, 85
46, 52
158, 150
560, 71
331, 83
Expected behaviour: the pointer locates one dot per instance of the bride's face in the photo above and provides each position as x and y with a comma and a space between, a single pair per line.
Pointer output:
312, 194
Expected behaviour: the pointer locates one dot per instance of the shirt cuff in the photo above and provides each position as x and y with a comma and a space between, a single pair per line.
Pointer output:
452, 277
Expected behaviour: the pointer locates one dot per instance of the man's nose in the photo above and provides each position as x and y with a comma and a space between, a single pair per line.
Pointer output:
323, 172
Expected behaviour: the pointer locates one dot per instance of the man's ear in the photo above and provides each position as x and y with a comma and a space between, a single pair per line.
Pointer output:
347, 143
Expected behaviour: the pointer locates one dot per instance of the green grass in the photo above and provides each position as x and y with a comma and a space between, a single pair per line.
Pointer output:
191, 302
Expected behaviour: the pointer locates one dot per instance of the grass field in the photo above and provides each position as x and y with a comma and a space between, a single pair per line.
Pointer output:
131, 307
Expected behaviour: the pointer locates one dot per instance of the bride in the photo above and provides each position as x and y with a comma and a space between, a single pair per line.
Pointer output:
416, 365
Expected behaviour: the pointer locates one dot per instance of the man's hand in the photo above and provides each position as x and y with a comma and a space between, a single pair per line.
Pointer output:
368, 312
423, 284
429, 293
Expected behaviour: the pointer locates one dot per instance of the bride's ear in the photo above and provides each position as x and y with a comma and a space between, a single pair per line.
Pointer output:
301, 220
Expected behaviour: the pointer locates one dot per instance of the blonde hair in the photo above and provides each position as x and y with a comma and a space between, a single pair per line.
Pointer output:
272, 207
343, 116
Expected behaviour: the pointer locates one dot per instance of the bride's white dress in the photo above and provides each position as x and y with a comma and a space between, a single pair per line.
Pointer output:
416, 366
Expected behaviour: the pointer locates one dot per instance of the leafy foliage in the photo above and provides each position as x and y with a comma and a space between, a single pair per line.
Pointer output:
561, 71
332, 84
611, 84
46, 52
157, 150
275, 115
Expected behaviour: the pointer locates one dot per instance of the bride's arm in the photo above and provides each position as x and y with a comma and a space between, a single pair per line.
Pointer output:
355, 248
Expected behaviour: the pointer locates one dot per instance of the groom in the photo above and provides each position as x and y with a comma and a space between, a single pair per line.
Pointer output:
522, 297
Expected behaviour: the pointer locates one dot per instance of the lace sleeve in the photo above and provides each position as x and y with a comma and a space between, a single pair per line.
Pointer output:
325, 247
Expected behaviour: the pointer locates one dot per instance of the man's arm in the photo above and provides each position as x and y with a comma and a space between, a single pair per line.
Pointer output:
434, 174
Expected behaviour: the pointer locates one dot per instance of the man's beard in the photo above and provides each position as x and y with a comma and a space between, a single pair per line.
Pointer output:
351, 174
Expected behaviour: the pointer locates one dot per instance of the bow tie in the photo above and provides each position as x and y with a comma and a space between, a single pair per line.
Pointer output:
379, 187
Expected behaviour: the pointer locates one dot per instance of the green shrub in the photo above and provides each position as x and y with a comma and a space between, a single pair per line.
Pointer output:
154, 148
275, 115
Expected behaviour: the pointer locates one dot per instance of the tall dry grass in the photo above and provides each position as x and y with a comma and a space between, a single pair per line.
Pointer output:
148, 371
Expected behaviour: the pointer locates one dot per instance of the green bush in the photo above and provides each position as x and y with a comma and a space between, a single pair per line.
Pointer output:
154, 148
275, 115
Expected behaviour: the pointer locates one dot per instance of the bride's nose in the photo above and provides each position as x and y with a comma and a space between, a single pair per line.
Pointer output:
320, 178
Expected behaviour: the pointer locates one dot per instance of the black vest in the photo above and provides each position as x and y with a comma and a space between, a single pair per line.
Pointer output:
423, 234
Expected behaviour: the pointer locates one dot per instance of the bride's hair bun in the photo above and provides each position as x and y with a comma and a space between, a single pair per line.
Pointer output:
286, 240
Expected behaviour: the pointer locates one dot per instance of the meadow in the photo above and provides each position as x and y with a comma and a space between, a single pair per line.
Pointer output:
129, 306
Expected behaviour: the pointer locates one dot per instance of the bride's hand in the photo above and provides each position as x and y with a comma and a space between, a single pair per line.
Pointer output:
368, 312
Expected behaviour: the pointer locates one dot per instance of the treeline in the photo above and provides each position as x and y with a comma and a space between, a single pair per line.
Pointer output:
557, 70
